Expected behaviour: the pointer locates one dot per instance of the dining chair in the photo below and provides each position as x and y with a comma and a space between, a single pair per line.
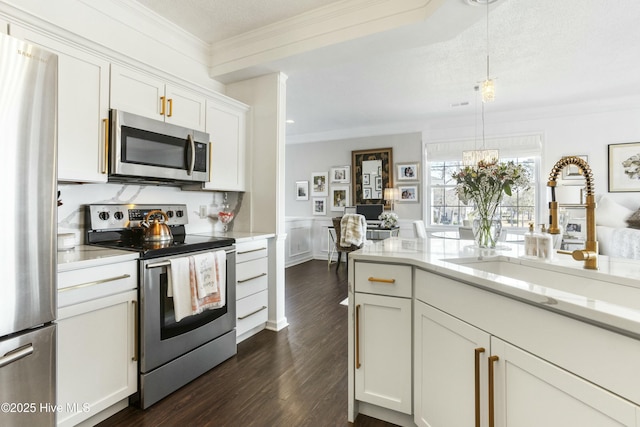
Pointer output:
340, 249
419, 230
465, 233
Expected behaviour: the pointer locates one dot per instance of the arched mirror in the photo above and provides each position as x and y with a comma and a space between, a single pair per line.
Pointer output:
372, 172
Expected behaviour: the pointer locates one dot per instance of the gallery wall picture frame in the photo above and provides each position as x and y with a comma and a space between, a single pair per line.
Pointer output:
365, 166
339, 197
408, 193
319, 205
576, 228
407, 171
624, 167
573, 172
378, 183
319, 184
340, 174
302, 190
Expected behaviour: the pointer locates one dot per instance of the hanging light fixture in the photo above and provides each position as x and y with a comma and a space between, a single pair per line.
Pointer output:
488, 86
473, 157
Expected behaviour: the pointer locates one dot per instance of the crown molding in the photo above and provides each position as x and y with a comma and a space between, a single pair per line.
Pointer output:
331, 24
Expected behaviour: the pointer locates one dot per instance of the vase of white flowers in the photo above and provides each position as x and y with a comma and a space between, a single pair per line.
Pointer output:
484, 185
389, 219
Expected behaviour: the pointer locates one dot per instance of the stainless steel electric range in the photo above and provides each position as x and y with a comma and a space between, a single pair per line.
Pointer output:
172, 353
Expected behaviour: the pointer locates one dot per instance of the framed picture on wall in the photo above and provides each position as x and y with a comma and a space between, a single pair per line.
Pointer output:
319, 205
302, 190
340, 197
573, 172
340, 174
407, 171
319, 181
408, 193
624, 167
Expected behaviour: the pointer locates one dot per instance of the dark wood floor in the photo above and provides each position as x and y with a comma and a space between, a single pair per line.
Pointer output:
296, 377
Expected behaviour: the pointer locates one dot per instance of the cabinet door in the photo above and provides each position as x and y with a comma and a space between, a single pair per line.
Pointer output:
450, 376
83, 107
97, 360
383, 351
226, 126
185, 108
530, 392
137, 93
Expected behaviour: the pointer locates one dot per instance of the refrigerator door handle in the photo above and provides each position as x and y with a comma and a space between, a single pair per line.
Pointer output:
15, 355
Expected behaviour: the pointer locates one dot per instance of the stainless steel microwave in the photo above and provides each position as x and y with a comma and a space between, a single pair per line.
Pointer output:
144, 150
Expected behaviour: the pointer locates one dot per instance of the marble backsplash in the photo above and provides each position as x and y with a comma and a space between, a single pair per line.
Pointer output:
74, 197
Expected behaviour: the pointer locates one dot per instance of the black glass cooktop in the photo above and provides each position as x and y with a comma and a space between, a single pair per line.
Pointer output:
132, 240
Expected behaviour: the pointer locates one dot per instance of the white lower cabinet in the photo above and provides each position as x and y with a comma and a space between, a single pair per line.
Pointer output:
530, 392
466, 377
97, 359
383, 338
383, 351
252, 280
450, 370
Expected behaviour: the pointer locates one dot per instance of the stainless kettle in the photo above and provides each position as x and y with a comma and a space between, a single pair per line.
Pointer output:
156, 231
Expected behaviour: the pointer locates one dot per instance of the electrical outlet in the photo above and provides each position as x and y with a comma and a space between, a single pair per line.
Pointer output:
203, 211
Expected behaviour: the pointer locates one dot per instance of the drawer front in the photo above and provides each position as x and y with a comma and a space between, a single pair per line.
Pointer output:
251, 312
383, 279
86, 284
252, 277
247, 251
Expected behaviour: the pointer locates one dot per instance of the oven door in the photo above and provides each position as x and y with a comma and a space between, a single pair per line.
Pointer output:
150, 149
162, 339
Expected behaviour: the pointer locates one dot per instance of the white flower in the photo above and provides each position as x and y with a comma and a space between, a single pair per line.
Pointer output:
389, 219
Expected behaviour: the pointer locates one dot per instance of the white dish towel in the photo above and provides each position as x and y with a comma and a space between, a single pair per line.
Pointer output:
206, 274
179, 287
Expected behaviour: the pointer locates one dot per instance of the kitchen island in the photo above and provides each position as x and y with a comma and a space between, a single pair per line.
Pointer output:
444, 334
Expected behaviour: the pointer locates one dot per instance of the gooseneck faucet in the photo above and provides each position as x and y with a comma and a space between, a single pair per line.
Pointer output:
590, 252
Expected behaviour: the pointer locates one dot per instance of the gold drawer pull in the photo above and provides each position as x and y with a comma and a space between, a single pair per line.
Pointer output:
162, 101
97, 282
251, 278
376, 279
252, 313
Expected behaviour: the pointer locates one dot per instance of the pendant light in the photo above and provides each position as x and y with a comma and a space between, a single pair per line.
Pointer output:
488, 86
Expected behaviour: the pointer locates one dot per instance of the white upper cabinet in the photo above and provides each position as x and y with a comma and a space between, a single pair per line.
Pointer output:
146, 95
83, 108
4, 27
226, 125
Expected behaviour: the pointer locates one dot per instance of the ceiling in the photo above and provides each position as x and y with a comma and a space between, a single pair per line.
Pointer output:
543, 53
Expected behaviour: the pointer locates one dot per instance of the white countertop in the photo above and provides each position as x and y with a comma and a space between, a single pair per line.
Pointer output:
609, 297
84, 256
239, 236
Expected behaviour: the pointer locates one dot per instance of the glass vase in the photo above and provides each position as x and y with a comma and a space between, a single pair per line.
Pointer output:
486, 230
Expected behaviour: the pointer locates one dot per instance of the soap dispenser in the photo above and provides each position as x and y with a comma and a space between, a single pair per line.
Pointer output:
530, 242
545, 244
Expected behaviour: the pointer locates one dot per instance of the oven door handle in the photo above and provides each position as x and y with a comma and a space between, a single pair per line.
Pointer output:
167, 263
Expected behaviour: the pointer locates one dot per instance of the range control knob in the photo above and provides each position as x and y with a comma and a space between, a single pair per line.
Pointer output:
179, 213
103, 216
118, 215
170, 214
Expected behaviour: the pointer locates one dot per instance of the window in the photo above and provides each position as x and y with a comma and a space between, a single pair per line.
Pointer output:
442, 158
516, 210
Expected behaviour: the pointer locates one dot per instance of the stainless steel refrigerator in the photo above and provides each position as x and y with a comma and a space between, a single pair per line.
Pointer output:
28, 130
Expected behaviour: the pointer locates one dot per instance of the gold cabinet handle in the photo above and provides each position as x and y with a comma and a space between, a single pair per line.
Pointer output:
170, 101
134, 304
478, 351
492, 360
162, 100
376, 279
358, 336
105, 162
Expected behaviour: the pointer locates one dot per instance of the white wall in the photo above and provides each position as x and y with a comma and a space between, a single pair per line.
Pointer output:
567, 130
